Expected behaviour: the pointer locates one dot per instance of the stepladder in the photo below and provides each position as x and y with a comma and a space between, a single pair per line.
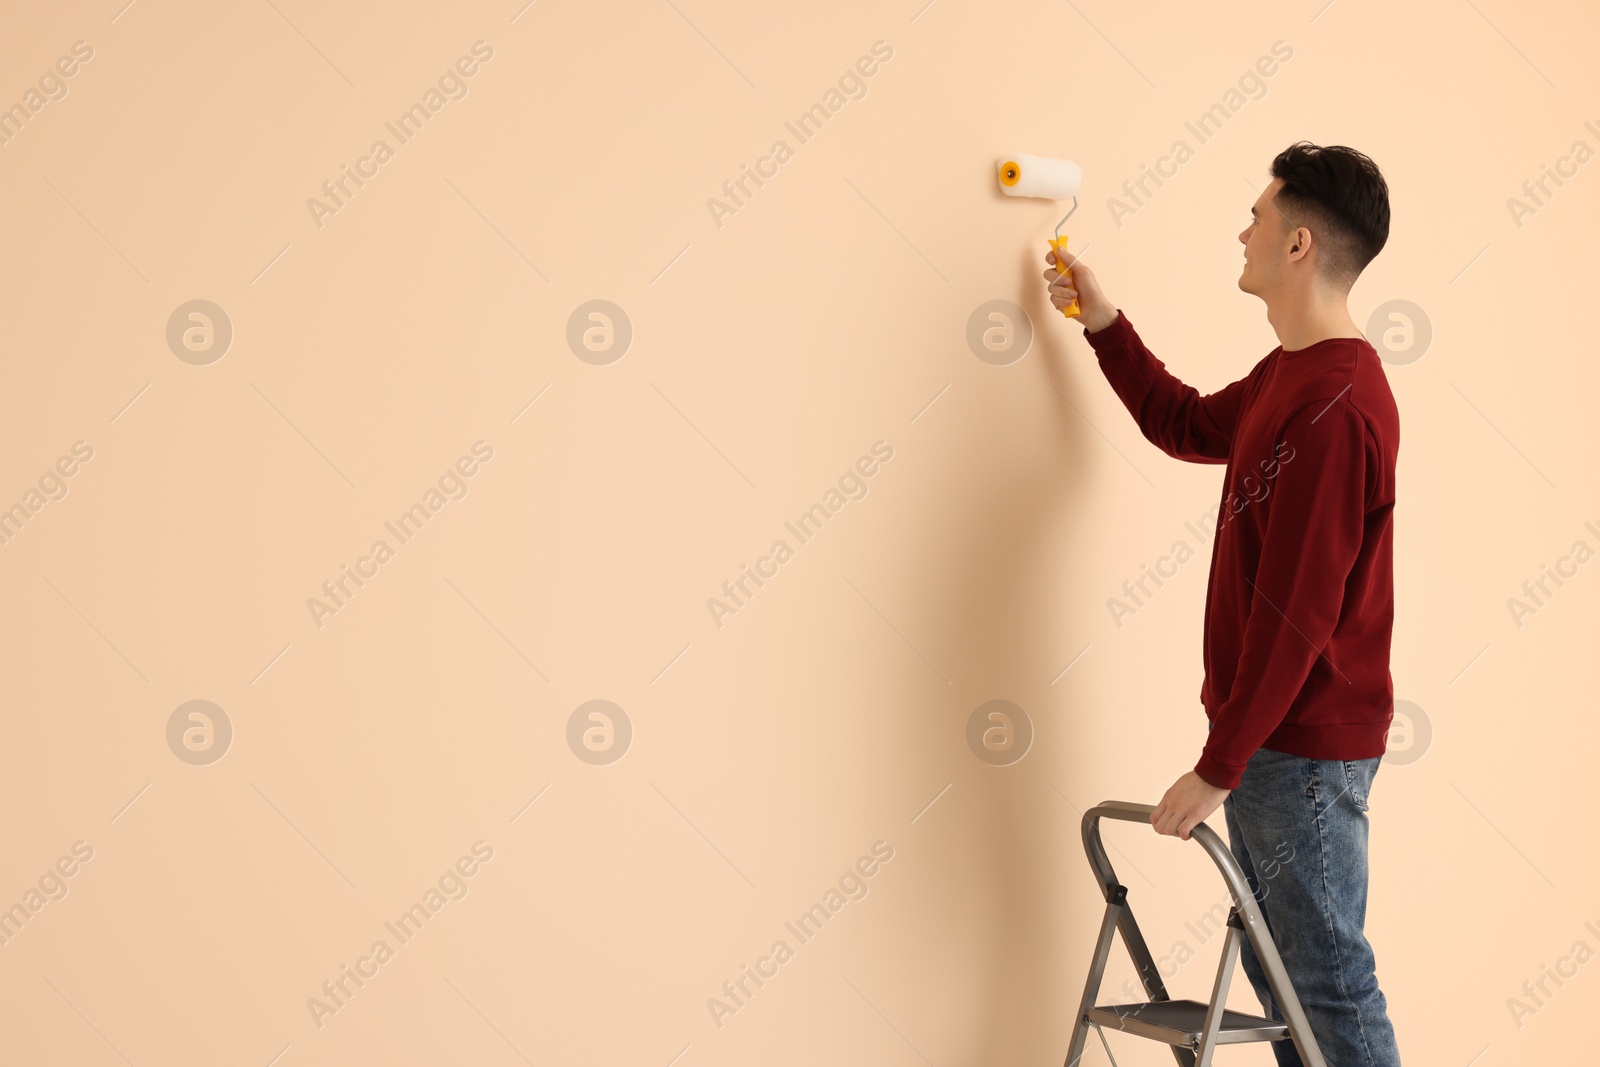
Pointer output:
1194, 1029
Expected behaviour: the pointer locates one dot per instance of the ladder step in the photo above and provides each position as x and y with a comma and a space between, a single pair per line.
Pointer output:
1181, 1022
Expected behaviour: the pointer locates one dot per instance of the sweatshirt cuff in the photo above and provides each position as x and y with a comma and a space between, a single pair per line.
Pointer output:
1116, 333
1217, 775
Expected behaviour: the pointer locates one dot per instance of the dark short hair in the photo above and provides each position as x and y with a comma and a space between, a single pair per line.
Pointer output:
1340, 196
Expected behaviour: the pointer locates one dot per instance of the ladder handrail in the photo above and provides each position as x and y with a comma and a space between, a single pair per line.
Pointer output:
1128, 811
1244, 899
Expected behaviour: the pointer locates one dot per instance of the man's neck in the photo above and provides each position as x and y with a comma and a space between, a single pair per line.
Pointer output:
1302, 323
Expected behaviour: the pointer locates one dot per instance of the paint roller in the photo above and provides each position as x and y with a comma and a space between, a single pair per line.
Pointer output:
1049, 179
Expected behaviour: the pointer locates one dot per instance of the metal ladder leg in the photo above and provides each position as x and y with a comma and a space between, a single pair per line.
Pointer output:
1097, 969
1149, 975
1219, 989
1278, 984
1118, 919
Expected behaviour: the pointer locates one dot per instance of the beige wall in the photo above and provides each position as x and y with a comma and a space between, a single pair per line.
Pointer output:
374, 746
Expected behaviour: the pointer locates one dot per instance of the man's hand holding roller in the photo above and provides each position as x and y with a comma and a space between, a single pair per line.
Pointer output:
1079, 283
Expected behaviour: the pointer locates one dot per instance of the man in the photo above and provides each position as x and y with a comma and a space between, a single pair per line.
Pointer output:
1300, 605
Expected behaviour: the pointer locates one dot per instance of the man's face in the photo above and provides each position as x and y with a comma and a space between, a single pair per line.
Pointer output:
1263, 242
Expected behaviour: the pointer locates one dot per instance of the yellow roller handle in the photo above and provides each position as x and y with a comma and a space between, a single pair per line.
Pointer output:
1060, 245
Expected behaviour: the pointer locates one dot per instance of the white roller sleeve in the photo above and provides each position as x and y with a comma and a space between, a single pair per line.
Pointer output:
1052, 179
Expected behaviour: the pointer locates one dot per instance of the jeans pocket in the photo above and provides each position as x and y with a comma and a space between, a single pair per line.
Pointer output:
1358, 778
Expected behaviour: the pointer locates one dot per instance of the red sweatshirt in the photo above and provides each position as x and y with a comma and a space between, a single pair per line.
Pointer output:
1300, 605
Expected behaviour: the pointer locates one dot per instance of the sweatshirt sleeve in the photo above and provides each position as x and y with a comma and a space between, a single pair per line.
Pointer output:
1317, 511
1172, 416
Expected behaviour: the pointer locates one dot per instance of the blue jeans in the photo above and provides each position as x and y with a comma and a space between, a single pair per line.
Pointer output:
1298, 828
